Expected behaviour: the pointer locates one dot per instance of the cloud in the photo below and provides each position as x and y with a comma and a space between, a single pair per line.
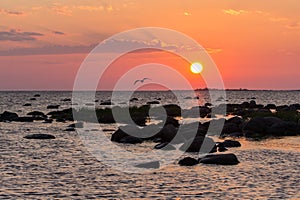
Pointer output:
234, 12
293, 26
58, 33
103, 7
13, 13
61, 10
16, 35
278, 19
48, 50
187, 14
213, 50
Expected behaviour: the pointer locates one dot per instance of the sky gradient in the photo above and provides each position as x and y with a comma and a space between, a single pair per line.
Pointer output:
255, 44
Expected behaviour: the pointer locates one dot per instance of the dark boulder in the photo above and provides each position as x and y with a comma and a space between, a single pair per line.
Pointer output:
53, 106
133, 99
188, 161
220, 159
153, 102
230, 128
25, 119
168, 134
27, 104
195, 144
149, 165
270, 106
236, 135
66, 99
230, 143
32, 99
69, 129
8, 116
284, 129
40, 136
37, 95
256, 125
131, 140
106, 103
36, 113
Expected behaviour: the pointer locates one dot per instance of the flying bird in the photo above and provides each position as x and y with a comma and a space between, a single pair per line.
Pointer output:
142, 80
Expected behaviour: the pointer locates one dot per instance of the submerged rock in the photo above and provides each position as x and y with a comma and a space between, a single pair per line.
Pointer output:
220, 159
188, 161
195, 144
230, 143
149, 165
40, 136
8, 116
53, 106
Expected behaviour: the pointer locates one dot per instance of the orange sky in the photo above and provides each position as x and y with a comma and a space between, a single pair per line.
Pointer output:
255, 44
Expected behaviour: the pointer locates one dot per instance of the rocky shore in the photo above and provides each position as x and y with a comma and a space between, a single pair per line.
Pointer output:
249, 120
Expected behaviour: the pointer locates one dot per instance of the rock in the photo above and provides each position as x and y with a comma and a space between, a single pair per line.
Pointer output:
66, 99
270, 106
8, 116
256, 125
220, 159
69, 129
188, 98
235, 120
124, 132
49, 121
168, 133
53, 106
131, 140
27, 104
230, 143
40, 136
221, 148
230, 128
165, 146
207, 104
133, 99
188, 161
149, 165
153, 102
284, 129
195, 144
236, 135
37, 95
106, 103
25, 119
32, 99
37, 113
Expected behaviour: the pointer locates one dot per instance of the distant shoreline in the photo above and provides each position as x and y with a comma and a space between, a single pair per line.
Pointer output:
204, 89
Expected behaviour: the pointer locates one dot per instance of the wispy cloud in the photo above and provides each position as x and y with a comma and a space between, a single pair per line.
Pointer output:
61, 9
294, 25
47, 50
16, 35
278, 19
12, 13
187, 13
234, 12
58, 33
213, 50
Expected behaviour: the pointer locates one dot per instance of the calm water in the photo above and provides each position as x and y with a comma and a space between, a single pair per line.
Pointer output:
64, 168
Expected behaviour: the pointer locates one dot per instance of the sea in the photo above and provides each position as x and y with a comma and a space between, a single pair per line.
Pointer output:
65, 168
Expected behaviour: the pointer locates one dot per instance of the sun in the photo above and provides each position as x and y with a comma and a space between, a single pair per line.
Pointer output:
196, 68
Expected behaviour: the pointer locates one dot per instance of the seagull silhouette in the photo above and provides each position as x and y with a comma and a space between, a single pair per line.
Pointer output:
142, 80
